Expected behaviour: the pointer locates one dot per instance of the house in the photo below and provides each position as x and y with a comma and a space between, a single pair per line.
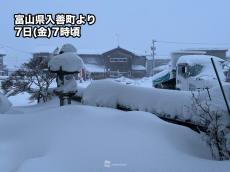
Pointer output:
3, 69
114, 63
45, 51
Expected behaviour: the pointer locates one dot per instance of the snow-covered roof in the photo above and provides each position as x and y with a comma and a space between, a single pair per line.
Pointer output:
189, 52
149, 57
70, 62
197, 59
206, 49
91, 51
94, 68
160, 68
138, 67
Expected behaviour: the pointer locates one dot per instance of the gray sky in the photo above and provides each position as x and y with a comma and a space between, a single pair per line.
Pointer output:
136, 23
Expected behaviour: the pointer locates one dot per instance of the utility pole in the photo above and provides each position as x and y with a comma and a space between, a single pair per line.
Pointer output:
221, 86
153, 49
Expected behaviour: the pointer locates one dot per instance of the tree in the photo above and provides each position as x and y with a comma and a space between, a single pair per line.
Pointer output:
32, 77
217, 135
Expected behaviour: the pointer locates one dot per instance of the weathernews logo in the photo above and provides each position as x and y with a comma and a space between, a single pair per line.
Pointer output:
108, 164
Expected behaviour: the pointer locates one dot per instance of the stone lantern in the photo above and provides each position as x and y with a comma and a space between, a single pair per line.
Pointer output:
66, 65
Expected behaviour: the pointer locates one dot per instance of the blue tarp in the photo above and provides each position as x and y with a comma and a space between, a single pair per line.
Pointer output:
161, 79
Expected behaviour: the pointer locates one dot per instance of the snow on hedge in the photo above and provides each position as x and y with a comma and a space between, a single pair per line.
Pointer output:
110, 94
170, 103
4, 104
82, 138
70, 62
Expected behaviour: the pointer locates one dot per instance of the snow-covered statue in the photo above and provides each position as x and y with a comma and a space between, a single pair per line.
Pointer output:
66, 64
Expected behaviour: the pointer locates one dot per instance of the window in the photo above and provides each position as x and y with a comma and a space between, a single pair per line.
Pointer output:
183, 70
195, 70
189, 71
118, 60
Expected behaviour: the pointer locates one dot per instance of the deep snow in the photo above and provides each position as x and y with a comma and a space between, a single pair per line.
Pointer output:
5, 104
80, 138
49, 138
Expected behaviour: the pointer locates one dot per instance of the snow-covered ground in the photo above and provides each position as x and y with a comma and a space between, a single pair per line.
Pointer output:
21, 99
146, 82
74, 138
49, 138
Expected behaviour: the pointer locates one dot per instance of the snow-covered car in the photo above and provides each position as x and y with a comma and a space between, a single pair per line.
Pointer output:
196, 72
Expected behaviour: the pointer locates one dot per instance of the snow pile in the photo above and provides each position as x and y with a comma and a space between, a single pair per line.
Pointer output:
216, 96
138, 67
164, 102
81, 138
4, 104
94, 68
143, 82
21, 99
81, 86
69, 62
68, 48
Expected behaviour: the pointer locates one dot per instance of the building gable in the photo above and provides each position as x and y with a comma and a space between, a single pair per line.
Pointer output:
118, 50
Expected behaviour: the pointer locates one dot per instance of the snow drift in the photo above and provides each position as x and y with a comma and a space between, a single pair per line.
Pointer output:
161, 101
82, 138
4, 104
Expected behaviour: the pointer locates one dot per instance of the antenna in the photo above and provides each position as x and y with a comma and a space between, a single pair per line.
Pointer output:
118, 39
153, 49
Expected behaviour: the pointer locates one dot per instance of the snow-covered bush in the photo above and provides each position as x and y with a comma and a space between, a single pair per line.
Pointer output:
217, 121
32, 77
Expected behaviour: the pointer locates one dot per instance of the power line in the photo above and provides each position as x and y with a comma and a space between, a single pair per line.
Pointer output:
15, 49
190, 43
